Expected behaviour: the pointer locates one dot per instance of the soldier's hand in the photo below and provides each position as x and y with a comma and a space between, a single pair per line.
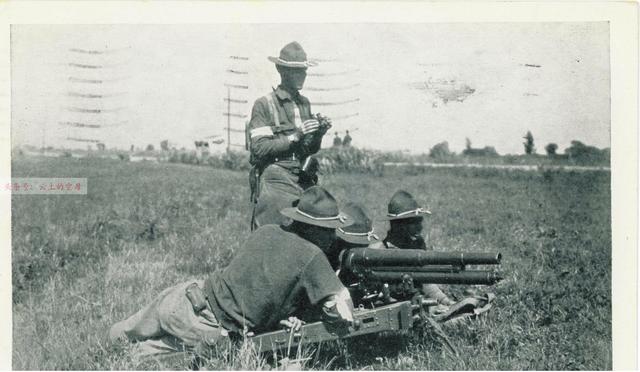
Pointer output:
292, 324
295, 136
339, 307
310, 126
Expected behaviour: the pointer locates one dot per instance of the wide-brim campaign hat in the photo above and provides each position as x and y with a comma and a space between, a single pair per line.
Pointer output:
401, 206
317, 207
292, 55
361, 231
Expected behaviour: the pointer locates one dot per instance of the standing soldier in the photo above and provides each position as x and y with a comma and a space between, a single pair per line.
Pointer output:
337, 142
281, 135
346, 142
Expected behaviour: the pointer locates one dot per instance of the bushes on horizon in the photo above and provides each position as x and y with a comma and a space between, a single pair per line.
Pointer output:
486, 151
349, 159
551, 149
584, 154
441, 151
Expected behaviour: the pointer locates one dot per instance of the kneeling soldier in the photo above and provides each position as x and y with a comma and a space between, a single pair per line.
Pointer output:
278, 273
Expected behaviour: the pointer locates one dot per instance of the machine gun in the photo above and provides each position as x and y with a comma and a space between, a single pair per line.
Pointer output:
383, 285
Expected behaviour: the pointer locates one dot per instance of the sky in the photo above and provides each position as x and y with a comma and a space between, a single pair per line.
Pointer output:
411, 85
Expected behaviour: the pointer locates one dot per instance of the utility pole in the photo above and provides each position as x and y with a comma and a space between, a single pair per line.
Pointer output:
228, 119
87, 95
235, 73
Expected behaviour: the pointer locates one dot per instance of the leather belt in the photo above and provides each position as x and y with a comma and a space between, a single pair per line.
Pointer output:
283, 158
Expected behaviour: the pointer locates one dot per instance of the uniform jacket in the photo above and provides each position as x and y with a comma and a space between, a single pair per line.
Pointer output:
268, 140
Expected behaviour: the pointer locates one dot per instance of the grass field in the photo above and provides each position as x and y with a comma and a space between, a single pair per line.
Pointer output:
81, 263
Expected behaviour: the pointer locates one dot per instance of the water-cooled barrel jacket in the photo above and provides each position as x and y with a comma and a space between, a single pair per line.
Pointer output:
429, 290
273, 276
269, 141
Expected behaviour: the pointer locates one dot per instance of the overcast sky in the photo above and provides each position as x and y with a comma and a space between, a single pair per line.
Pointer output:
412, 85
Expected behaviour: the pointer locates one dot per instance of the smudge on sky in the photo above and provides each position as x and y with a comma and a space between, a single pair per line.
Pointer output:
444, 91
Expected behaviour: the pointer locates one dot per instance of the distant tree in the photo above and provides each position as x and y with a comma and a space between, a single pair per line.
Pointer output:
440, 150
468, 143
529, 147
582, 153
551, 149
486, 151
101, 146
489, 151
150, 147
164, 145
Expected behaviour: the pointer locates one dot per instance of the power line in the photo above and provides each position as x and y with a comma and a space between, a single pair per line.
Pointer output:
238, 72
92, 95
84, 95
92, 110
345, 116
324, 59
235, 100
79, 125
85, 51
81, 65
236, 86
317, 89
336, 103
89, 81
83, 140
94, 51
332, 73
235, 115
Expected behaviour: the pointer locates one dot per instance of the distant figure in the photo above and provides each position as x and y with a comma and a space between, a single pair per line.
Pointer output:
337, 142
347, 140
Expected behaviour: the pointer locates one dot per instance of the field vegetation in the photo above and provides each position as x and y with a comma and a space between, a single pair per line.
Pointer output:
81, 263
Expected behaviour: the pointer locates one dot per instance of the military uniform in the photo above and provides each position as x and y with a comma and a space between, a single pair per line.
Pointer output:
346, 142
276, 160
276, 274
259, 288
291, 274
403, 207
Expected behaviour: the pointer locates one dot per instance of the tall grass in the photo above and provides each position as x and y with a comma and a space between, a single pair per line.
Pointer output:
81, 263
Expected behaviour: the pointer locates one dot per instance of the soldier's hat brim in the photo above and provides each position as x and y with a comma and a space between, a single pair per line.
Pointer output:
402, 206
419, 212
317, 207
292, 55
292, 64
332, 222
361, 232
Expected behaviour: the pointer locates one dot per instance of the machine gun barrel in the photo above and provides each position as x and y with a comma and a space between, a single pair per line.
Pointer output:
428, 268
438, 277
371, 257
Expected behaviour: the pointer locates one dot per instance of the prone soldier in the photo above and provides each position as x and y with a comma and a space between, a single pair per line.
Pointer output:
279, 272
